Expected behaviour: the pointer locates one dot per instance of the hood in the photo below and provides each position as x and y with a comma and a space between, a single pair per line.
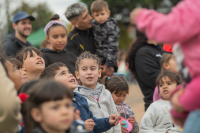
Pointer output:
52, 51
84, 90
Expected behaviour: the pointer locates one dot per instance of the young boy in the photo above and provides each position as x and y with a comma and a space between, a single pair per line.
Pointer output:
106, 34
32, 61
61, 73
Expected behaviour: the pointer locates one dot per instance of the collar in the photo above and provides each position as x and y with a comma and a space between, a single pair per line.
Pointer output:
152, 45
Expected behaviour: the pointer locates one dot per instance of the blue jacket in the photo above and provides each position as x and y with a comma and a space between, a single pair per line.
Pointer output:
81, 104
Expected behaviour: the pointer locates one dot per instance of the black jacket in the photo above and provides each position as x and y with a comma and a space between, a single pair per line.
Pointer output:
79, 41
66, 57
147, 69
11, 45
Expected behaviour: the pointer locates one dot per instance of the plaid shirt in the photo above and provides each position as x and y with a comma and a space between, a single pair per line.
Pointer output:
125, 111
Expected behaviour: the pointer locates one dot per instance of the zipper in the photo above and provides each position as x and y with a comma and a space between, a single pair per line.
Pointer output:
96, 101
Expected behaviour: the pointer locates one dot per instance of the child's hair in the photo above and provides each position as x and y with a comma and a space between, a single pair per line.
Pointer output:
26, 87
44, 44
50, 71
22, 54
99, 5
41, 92
115, 84
130, 59
165, 59
171, 75
59, 23
16, 62
3, 60
87, 55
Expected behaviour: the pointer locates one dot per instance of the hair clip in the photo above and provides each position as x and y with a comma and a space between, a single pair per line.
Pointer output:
108, 78
23, 97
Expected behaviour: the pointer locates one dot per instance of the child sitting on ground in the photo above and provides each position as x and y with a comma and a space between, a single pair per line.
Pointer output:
167, 63
106, 35
61, 73
119, 88
32, 61
157, 118
99, 99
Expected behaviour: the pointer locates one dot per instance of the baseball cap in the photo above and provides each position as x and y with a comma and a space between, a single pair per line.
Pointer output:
22, 15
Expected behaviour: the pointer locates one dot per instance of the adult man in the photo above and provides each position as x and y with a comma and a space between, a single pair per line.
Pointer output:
82, 38
12, 43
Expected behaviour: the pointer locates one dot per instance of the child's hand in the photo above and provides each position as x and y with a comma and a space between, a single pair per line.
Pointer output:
166, 132
132, 120
124, 130
134, 14
89, 125
107, 71
114, 119
77, 115
175, 101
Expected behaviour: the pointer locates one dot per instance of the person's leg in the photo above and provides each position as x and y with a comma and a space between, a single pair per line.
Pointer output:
192, 124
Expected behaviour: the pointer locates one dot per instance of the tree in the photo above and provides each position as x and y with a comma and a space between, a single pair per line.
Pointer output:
41, 12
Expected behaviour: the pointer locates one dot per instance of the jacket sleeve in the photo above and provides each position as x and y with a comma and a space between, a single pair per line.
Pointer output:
8, 48
10, 104
117, 128
177, 26
102, 125
148, 121
113, 43
72, 46
147, 68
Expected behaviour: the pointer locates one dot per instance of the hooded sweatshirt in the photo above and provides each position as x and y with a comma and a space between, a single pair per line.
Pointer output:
11, 45
102, 108
66, 57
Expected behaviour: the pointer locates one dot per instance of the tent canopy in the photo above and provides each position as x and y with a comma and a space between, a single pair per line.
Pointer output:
37, 37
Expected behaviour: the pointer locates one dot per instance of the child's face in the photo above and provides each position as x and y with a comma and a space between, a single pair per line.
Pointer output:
88, 72
34, 64
166, 87
54, 116
101, 16
171, 66
64, 76
119, 98
57, 37
14, 74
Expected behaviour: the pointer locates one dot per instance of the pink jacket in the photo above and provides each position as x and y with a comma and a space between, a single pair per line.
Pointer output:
181, 25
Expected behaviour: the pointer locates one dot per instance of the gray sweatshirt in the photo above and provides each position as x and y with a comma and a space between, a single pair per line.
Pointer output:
105, 105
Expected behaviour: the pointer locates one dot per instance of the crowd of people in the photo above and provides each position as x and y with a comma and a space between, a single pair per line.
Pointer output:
70, 84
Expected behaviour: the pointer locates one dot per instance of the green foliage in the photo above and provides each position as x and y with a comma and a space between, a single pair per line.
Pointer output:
41, 10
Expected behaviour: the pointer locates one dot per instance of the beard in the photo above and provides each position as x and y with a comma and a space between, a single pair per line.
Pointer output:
22, 34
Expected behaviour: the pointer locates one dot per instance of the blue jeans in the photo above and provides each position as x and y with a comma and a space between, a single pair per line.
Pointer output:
192, 124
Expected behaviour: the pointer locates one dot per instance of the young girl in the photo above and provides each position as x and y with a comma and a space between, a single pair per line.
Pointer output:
32, 61
167, 63
99, 99
12, 72
18, 65
119, 88
56, 34
48, 108
157, 118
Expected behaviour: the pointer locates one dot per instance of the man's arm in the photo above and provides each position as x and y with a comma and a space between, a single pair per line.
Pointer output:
72, 46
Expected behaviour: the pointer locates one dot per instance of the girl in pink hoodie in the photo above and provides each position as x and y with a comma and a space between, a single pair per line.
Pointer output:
180, 27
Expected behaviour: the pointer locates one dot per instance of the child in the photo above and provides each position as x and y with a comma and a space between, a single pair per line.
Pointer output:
32, 61
18, 65
157, 117
119, 88
12, 73
106, 34
99, 99
48, 108
56, 34
178, 27
60, 73
167, 63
